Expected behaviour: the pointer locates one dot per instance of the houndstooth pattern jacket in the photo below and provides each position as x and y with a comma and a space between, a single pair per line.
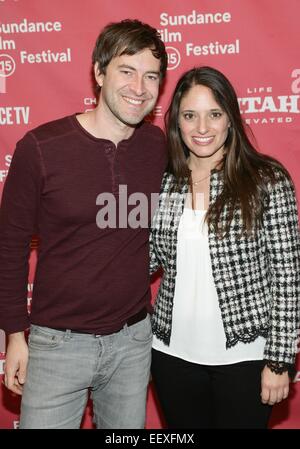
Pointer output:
256, 277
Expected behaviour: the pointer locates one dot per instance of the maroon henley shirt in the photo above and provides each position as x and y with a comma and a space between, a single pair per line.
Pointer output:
87, 278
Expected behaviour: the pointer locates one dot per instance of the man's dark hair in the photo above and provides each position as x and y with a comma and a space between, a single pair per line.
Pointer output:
128, 37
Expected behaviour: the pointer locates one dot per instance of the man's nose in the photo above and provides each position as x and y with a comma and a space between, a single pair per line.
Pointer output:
138, 85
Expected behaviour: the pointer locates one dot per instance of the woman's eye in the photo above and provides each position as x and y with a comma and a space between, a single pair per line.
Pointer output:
216, 114
188, 116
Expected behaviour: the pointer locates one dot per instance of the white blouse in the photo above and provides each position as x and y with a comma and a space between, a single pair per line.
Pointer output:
197, 328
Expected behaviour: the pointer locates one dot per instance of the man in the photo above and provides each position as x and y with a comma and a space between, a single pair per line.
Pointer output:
89, 322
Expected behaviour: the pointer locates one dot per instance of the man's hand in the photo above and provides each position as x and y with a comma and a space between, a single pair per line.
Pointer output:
15, 366
274, 387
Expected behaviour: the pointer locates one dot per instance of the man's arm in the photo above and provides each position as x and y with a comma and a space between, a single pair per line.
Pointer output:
16, 362
18, 223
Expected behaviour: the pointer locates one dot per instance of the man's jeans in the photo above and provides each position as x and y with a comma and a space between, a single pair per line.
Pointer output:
63, 366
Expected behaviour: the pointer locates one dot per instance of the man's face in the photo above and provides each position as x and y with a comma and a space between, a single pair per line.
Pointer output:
130, 87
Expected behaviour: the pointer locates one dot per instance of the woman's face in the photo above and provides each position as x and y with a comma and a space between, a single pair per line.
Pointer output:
203, 124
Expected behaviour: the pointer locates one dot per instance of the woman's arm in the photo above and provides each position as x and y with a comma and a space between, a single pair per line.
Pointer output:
154, 261
282, 240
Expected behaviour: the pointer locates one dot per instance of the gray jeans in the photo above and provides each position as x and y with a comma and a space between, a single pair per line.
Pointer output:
64, 366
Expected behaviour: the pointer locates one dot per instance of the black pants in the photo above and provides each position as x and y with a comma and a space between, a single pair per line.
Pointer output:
200, 396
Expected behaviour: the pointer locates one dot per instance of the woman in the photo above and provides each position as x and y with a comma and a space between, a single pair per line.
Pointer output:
226, 235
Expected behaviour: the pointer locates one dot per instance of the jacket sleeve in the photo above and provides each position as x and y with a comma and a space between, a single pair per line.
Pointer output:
282, 240
18, 222
154, 261
155, 231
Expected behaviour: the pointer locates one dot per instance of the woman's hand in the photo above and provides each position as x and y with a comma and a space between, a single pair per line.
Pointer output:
274, 387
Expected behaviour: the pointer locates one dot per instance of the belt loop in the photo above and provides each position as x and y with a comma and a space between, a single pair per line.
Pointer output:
125, 329
68, 334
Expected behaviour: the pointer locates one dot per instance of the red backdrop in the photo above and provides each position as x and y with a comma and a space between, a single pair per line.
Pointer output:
45, 57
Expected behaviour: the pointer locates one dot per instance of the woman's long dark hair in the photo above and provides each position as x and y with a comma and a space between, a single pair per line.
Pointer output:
246, 172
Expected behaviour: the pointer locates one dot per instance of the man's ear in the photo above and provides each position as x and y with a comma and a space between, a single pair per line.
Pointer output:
99, 77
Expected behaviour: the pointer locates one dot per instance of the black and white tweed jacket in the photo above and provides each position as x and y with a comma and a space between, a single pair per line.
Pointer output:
256, 277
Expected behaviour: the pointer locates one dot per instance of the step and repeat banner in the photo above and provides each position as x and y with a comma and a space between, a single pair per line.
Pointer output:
45, 67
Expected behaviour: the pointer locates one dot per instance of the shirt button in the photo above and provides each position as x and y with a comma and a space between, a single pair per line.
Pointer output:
109, 148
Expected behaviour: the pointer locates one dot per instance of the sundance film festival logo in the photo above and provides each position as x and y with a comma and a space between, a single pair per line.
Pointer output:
7, 68
7, 44
174, 58
215, 48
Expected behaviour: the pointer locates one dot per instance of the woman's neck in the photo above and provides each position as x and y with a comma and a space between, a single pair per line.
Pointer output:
203, 165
